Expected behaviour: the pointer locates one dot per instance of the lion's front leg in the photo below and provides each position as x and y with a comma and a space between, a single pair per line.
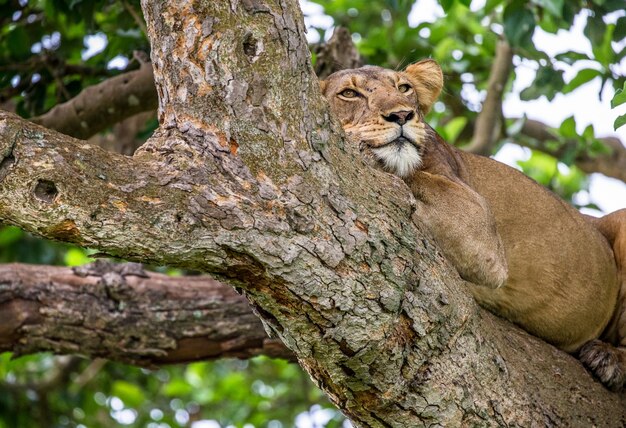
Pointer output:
463, 226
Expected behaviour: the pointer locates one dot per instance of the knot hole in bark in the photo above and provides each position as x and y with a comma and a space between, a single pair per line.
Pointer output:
46, 191
5, 165
250, 46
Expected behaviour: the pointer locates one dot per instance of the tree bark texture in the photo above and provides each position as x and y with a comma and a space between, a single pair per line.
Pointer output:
126, 314
248, 178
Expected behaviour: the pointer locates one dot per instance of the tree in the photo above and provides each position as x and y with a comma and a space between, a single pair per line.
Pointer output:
247, 178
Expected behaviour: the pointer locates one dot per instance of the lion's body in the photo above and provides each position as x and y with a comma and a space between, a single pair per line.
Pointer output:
563, 282
530, 256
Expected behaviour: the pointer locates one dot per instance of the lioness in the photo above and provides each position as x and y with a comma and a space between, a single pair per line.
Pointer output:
530, 256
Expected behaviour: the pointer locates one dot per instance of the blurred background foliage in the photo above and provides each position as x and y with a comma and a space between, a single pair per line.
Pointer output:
51, 49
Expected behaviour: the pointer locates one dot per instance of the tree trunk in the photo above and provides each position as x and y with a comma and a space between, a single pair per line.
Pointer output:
248, 178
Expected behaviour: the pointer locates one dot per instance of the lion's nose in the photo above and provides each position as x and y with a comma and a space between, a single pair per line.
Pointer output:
400, 117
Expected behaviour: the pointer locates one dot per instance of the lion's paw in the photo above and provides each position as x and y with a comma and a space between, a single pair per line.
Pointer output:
606, 362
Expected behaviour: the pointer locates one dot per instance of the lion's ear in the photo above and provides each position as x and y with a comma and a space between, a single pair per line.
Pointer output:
427, 78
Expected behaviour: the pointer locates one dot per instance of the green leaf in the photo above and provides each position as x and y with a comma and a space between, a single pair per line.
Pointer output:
619, 122
597, 148
540, 167
519, 24
554, 7
595, 29
589, 133
619, 98
568, 157
177, 388
583, 76
548, 82
130, 394
549, 24
530, 93
76, 257
569, 182
453, 128
554, 145
604, 51
570, 57
5, 359
568, 128
446, 5
9, 235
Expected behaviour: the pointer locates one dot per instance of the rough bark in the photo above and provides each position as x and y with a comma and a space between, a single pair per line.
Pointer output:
248, 178
100, 106
126, 314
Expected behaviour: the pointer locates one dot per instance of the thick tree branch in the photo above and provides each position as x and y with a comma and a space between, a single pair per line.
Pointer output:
611, 164
100, 106
65, 189
489, 121
125, 314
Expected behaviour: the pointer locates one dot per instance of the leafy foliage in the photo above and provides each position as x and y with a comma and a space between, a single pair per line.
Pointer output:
385, 37
618, 99
43, 47
259, 392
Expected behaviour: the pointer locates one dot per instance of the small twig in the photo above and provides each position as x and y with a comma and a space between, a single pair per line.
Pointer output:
138, 19
89, 373
51, 65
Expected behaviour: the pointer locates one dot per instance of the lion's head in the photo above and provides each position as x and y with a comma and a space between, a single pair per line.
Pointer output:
384, 110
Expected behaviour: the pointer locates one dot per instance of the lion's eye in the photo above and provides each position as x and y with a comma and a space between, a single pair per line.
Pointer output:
349, 93
404, 88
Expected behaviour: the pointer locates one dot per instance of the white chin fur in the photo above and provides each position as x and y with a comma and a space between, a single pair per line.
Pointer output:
400, 160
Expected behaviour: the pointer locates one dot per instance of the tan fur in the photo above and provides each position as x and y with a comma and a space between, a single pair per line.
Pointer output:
531, 257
